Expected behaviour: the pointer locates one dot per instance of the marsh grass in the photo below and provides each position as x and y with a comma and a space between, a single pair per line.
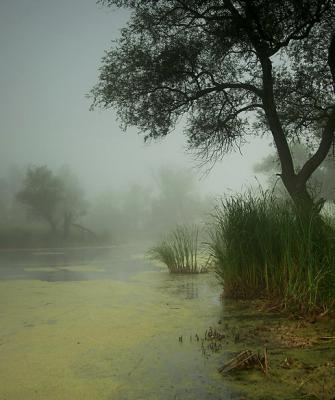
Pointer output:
261, 248
181, 251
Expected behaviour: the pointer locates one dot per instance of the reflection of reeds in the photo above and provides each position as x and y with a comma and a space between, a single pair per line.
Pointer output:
262, 248
180, 250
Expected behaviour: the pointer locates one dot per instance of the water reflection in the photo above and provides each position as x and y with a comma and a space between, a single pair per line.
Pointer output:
190, 287
186, 290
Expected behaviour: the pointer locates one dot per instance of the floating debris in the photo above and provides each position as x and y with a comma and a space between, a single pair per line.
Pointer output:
246, 359
214, 334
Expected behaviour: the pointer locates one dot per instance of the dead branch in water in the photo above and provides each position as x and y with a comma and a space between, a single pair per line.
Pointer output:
246, 359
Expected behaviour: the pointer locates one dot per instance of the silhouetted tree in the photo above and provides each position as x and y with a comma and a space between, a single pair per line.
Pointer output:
231, 67
54, 198
42, 193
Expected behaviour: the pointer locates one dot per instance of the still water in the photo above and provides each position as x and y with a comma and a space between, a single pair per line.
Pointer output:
104, 323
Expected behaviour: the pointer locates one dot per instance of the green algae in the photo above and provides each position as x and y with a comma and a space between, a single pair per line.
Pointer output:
72, 268
39, 269
101, 339
112, 339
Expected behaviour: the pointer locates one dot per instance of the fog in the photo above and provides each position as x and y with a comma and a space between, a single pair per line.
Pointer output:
50, 54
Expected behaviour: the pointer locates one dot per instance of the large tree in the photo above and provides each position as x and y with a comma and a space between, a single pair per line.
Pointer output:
232, 68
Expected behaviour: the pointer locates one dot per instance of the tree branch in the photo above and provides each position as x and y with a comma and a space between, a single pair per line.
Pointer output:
313, 163
249, 107
219, 87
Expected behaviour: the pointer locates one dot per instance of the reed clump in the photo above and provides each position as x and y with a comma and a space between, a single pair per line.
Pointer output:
181, 251
262, 248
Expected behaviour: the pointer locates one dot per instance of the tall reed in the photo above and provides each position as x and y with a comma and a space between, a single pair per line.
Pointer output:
262, 248
180, 250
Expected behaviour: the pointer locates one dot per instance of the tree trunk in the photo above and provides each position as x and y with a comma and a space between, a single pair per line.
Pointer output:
296, 183
66, 225
300, 196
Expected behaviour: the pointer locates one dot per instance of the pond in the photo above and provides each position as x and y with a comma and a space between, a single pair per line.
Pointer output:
104, 323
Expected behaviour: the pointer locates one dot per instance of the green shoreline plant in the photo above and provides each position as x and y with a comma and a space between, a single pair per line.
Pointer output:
180, 251
262, 248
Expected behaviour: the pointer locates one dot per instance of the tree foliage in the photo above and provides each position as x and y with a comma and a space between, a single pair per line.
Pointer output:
232, 68
55, 198
41, 193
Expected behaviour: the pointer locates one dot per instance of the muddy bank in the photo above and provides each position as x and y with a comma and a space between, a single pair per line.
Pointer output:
301, 353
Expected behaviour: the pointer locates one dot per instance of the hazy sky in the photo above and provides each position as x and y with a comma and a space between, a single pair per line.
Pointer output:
50, 55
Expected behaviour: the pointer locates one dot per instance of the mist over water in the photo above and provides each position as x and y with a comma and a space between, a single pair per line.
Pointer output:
50, 57
85, 313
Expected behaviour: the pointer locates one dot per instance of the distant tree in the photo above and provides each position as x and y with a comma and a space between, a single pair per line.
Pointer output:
42, 193
233, 68
122, 215
72, 204
106, 215
10, 210
4, 200
176, 200
135, 208
57, 199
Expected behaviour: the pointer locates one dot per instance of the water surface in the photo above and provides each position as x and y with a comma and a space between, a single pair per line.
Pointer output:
104, 324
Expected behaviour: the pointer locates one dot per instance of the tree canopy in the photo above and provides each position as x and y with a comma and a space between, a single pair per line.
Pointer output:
41, 193
233, 69
54, 198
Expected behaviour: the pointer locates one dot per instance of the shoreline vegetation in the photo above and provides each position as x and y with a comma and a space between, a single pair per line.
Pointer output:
257, 246
261, 248
181, 251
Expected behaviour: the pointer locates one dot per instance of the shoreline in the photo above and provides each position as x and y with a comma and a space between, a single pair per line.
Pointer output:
301, 353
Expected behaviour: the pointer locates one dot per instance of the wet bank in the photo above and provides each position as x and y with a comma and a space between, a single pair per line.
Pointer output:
111, 325
301, 353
